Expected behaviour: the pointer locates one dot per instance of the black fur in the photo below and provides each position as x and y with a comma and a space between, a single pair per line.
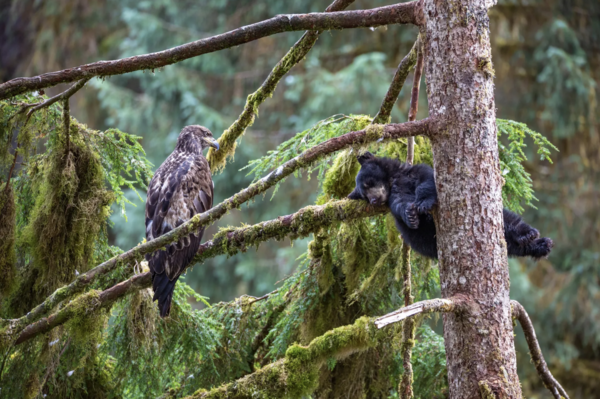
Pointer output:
410, 193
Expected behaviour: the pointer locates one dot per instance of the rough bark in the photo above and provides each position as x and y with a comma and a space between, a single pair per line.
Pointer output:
403, 13
471, 248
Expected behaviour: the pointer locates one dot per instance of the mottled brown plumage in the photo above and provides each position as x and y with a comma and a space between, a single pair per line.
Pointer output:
181, 187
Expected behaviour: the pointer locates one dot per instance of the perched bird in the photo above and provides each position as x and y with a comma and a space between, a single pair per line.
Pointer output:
181, 187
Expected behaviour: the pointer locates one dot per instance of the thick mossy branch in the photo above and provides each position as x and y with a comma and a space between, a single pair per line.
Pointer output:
300, 224
405, 66
519, 313
296, 375
306, 221
228, 140
403, 13
359, 138
85, 304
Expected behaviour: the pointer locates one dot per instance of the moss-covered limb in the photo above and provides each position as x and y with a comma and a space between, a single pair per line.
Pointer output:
297, 374
519, 313
300, 224
8, 257
405, 66
227, 141
306, 221
402, 13
376, 132
85, 304
405, 390
441, 305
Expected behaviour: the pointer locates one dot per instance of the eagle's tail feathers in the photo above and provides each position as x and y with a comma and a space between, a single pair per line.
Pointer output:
163, 292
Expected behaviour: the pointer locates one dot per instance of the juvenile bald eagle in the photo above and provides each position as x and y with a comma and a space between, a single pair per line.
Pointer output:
181, 187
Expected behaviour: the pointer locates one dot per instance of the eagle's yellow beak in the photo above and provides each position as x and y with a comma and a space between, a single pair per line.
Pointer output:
212, 143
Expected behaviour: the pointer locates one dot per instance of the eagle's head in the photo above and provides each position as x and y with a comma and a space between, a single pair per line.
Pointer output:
195, 138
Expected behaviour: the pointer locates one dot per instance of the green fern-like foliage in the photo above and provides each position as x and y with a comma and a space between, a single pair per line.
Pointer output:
518, 187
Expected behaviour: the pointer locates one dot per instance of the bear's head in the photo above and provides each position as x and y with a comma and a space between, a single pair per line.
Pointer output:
372, 183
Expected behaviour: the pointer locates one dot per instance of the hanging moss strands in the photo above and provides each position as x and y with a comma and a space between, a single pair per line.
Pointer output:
71, 207
7, 241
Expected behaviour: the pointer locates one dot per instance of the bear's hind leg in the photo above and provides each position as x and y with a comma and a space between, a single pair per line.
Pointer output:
539, 248
426, 197
516, 230
522, 239
407, 212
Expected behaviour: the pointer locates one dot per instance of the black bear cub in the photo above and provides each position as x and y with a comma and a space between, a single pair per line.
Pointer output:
409, 191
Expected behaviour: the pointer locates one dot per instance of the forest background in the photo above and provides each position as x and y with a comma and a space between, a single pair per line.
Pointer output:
547, 64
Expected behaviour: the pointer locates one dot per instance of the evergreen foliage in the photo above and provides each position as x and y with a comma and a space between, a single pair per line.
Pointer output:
340, 276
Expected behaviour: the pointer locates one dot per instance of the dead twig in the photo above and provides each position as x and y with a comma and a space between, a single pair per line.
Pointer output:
519, 313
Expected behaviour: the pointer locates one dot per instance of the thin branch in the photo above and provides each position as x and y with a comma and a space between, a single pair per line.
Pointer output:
379, 132
442, 305
405, 390
403, 13
519, 313
414, 98
227, 141
65, 95
88, 303
259, 339
54, 366
405, 66
300, 224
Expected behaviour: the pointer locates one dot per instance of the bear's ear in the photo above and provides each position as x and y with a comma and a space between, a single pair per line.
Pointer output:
367, 156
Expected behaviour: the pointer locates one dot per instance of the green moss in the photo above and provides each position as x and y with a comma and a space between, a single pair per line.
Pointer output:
302, 363
339, 179
297, 375
70, 210
374, 132
8, 257
141, 318
485, 390
397, 149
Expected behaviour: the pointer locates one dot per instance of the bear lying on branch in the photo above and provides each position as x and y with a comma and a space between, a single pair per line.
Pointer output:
409, 191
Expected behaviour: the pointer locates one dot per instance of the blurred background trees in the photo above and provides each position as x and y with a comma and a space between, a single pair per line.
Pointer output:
547, 62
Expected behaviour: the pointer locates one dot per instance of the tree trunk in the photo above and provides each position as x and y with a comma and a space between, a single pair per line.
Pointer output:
472, 252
